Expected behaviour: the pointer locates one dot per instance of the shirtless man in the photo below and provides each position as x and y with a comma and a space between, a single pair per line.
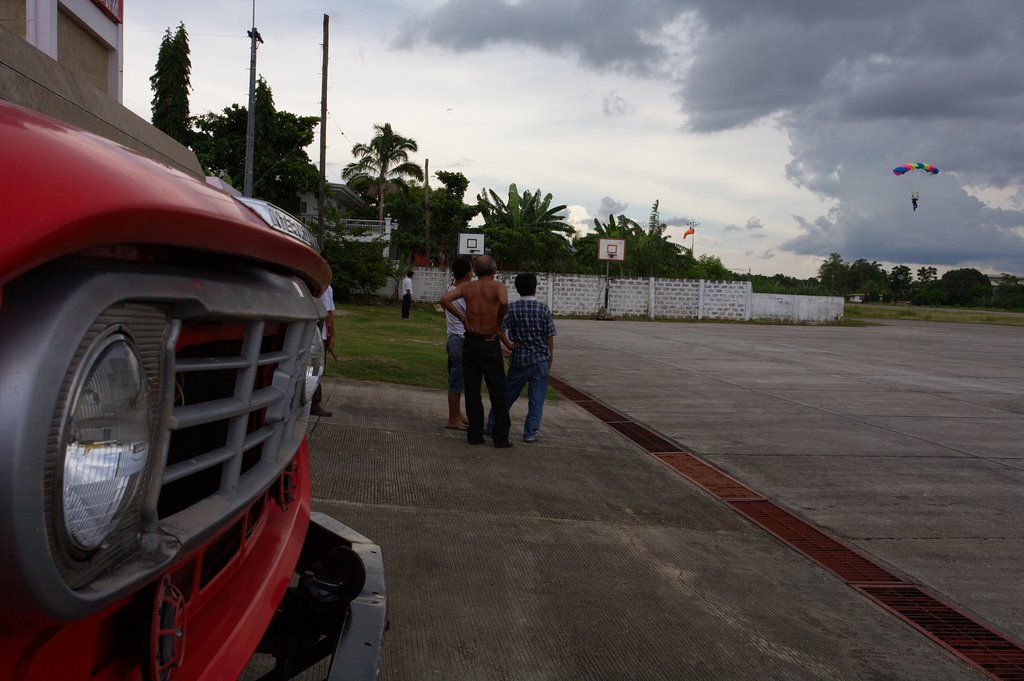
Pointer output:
486, 305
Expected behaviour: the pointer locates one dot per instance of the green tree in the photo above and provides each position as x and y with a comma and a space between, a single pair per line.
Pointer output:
649, 253
449, 212
868, 278
833, 274
709, 267
405, 206
782, 283
281, 168
900, 281
1009, 293
656, 256
170, 83
526, 232
382, 165
926, 274
928, 293
449, 215
966, 286
359, 267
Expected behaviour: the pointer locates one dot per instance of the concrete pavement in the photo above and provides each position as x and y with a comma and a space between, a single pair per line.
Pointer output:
905, 439
584, 557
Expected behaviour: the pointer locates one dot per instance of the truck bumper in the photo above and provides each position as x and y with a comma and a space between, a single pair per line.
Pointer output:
335, 609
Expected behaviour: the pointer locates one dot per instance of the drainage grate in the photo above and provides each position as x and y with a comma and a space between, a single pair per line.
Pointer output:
644, 437
602, 412
816, 545
567, 390
997, 656
708, 477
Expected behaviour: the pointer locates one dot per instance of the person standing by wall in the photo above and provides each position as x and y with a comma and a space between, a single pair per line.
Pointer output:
462, 273
327, 333
529, 330
486, 305
407, 293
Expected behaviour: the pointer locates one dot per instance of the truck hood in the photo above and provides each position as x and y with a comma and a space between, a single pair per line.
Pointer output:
66, 190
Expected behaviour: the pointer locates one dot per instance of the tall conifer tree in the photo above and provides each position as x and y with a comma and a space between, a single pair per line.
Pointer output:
170, 84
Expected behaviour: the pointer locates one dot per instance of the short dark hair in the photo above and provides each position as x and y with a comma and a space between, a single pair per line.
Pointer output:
526, 283
409, 273
461, 267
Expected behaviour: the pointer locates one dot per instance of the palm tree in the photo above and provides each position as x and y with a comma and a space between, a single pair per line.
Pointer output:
656, 256
617, 227
649, 253
529, 212
525, 232
384, 163
586, 245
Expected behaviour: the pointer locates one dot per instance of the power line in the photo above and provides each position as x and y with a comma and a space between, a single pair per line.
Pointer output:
331, 116
190, 34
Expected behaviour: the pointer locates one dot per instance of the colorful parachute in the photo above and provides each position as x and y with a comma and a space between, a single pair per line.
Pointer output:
927, 167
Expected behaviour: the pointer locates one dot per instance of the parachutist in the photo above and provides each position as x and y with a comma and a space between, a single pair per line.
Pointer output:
926, 168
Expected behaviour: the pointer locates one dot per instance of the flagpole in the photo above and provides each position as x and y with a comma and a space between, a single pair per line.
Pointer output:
692, 226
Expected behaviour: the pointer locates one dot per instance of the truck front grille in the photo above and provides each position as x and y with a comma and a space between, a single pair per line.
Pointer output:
236, 414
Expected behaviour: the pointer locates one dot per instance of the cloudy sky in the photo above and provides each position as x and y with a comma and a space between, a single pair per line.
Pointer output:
773, 123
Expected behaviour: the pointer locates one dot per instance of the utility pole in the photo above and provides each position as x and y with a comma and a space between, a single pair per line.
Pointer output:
322, 200
250, 131
426, 203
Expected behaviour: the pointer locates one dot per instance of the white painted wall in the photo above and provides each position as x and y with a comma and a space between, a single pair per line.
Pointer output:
583, 294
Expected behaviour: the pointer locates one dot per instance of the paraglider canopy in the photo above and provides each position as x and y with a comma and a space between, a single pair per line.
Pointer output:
927, 167
908, 167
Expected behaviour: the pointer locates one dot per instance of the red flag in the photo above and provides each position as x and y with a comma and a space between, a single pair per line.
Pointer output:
688, 232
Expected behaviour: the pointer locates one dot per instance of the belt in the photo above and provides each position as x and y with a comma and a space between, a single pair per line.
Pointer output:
481, 336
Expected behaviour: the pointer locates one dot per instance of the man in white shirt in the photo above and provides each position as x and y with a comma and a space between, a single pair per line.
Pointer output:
406, 294
462, 272
327, 333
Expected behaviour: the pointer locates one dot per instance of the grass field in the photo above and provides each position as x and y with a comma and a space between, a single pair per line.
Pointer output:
374, 343
933, 314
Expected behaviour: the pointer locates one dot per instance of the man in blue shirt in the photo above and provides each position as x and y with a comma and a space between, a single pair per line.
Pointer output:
529, 330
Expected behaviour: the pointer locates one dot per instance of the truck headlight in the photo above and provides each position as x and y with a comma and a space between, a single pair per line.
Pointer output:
106, 440
315, 365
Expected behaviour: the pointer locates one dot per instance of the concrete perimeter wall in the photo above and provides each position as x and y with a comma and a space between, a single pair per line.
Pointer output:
583, 294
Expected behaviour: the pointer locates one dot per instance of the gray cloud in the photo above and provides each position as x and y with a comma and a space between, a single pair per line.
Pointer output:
610, 206
615, 104
603, 34
754, 223
858, 87
676, 221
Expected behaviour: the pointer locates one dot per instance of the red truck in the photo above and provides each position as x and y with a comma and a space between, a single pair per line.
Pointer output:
158, 352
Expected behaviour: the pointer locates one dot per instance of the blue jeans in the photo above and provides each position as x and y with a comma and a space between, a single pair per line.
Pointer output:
536, 375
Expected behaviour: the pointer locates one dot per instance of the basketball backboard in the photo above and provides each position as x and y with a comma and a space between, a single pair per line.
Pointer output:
471, 244
611, 249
